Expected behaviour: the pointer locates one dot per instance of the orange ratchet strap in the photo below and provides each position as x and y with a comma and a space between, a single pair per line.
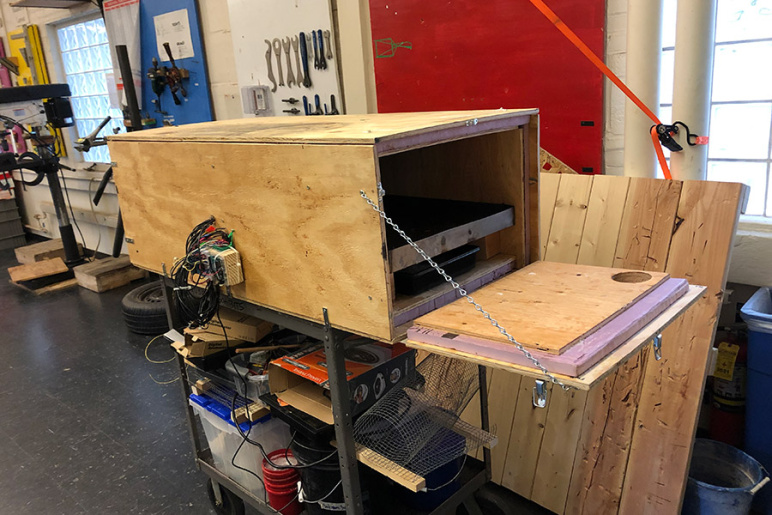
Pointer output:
598, 62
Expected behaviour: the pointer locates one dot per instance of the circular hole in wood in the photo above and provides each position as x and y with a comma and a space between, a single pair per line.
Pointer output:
631, 277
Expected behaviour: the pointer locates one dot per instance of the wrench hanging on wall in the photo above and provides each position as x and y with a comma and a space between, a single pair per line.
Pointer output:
277, 51
270, 68
290, 76
301, 80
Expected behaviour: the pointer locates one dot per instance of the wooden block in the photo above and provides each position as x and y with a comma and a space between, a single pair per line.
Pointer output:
388, 468
63, 285
249, 413
489, 246
41, 273
200, 386
108, 273
40, 251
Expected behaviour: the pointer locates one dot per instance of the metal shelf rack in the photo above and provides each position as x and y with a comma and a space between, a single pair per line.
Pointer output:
475, 473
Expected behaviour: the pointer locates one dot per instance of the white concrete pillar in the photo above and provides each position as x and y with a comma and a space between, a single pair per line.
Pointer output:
644, 46
695, 41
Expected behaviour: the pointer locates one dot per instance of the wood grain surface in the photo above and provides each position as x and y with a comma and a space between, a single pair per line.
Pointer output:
546, 306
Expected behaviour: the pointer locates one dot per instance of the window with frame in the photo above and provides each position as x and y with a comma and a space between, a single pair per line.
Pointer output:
86, 60
740, 146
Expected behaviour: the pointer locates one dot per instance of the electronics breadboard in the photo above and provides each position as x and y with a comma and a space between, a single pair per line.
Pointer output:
226, 264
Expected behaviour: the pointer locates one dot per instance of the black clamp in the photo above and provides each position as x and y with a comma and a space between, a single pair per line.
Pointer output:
665, 135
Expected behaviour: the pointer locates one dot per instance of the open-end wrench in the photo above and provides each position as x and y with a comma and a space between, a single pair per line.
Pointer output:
322, 61
306, 107
333, 106
318, 103
310, 46
304, 56
327, 42
316, 51
290, 76
270, 68
294, 42
277, 51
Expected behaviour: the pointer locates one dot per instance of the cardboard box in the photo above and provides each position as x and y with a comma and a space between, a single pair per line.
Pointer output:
199, 343
373, 368
239, 326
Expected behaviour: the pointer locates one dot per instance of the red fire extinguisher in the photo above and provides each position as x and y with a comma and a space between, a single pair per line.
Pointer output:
727, 417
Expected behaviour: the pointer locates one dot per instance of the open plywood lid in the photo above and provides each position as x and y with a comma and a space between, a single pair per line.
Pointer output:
546, 306
382, 129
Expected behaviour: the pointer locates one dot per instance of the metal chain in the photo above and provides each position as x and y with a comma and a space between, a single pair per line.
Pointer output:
519, 346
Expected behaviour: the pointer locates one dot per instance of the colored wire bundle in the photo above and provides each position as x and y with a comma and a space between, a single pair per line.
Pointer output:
196, 284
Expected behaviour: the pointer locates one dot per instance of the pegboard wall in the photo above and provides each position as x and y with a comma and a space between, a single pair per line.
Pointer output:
466, 54
197, 106
253, 22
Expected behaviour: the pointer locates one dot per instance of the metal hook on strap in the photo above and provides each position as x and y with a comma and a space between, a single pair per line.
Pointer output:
658, 347
540, 394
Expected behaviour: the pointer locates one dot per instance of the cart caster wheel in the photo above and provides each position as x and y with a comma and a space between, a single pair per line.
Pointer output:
231, 503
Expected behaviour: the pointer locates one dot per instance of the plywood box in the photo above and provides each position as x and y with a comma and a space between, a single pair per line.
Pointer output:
290, 191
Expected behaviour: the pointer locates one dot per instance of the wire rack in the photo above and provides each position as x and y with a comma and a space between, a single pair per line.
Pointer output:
416, 425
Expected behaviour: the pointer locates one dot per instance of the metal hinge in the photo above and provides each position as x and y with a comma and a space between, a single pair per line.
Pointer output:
540, 394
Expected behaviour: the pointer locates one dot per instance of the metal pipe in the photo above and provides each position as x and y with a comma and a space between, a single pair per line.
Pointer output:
132, 105
644, 46
695, 44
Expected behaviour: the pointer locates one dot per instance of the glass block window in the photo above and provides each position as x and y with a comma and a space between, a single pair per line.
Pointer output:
740, 148
86, 59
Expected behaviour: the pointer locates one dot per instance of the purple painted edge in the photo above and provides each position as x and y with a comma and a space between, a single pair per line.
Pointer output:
459, 130
581, 356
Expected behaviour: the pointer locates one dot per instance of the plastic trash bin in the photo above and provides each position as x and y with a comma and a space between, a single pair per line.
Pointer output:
757, 313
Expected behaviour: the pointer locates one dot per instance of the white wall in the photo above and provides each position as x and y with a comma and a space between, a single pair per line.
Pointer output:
98, 225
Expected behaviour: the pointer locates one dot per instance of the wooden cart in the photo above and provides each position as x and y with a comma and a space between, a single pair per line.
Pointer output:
290, 189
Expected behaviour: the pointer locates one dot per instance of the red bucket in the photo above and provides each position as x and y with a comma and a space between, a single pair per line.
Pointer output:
284, 500
282, 484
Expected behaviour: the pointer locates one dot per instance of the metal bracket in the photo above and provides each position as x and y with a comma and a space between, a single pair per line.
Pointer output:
540, 394
658, 347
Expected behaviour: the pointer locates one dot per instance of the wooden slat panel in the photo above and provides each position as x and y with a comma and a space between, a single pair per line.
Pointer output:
553, 472
605, 442
524, 441
672, 388
504, 389
647, 224
604, 218
548, 194
565, 235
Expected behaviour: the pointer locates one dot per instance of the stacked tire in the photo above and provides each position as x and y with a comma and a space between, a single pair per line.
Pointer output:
144, 310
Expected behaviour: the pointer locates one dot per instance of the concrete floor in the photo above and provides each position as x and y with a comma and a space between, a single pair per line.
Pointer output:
83, 427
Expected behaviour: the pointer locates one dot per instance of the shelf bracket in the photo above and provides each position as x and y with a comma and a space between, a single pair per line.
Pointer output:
540, 394
658, 347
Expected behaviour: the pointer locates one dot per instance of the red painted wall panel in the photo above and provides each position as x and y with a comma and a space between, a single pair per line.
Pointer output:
471, 54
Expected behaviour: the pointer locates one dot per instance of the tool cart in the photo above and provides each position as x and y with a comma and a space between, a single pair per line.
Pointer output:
314, 206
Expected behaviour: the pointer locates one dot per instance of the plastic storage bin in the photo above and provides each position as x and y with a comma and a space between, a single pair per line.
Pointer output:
757, 313
224, 440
